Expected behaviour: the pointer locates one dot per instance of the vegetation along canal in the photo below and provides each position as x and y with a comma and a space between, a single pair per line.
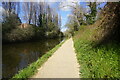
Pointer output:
19, 55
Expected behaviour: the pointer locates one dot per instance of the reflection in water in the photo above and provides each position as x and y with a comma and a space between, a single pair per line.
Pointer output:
17, 56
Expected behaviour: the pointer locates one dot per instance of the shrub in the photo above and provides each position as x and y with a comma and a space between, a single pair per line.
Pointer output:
11, 22
20, 34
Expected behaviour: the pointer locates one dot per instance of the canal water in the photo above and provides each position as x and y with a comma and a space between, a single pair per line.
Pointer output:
19, 55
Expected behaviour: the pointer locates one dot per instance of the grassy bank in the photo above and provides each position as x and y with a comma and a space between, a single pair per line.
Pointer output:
96, 61
32, 68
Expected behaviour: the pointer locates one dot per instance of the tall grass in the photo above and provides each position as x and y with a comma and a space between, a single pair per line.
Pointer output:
96, 62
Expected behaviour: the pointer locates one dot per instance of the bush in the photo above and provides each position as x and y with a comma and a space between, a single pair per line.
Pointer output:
20, 34
11, 22
39, 32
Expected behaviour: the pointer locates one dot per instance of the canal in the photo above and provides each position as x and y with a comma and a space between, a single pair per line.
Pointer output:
17, 56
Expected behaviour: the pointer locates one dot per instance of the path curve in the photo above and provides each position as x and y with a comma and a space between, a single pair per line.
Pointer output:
62, 64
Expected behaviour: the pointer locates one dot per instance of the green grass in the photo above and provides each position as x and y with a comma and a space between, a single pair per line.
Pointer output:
96, 62
32, 68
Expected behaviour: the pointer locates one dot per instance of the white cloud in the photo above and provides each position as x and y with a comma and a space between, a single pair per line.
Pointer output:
66, 6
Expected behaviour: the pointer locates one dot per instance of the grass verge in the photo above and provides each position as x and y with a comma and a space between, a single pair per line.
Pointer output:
96, 62
32, 68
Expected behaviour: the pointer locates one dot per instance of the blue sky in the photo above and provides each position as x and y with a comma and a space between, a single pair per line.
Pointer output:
64, 20
64, 12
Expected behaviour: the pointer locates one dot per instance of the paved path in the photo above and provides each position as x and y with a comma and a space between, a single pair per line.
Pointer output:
62, 64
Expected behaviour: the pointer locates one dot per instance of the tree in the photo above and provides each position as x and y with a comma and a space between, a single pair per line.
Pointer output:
11, 20
78, 12
71, 24
38, 14
90, 18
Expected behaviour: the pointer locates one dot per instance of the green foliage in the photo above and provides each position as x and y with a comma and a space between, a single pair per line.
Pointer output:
96, 62
52, 34
11, 22
72, 27
41, 19
12, 32
32, 68
100, 62
90, 18
48, 26
39, 32
20, 34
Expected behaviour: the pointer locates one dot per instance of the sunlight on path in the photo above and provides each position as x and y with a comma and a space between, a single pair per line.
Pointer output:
62, 64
